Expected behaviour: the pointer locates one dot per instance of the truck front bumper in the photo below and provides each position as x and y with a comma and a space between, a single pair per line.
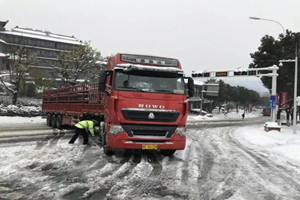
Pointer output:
123, 141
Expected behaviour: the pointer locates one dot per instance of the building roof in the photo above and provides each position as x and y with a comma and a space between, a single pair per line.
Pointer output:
2, 24
43, 35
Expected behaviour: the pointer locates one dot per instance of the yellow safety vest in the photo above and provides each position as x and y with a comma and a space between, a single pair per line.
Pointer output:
87, 125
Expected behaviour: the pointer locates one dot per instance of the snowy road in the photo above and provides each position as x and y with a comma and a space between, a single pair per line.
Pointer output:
214, 165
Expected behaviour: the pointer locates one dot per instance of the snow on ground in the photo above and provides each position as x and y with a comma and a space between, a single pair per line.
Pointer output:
283, 145
224, 116
21, 120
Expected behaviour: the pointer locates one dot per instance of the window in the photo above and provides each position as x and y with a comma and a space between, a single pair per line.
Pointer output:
149, 81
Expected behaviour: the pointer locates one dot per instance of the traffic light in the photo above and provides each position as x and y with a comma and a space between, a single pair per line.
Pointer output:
197, 74
252, 73
200, 74
206, 74
240, 73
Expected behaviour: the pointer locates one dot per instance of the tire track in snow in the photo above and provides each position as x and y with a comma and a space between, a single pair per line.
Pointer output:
275, 180
118, 175
151, 160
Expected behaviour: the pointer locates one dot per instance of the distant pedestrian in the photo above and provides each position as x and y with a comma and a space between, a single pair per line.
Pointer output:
84, 128
243, 115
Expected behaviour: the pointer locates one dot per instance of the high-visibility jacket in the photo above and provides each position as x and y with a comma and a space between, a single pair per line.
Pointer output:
88, 125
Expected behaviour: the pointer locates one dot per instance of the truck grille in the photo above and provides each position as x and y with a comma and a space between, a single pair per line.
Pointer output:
152, 115
148, 130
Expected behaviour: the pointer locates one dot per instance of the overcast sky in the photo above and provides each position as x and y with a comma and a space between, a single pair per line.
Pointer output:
202, 34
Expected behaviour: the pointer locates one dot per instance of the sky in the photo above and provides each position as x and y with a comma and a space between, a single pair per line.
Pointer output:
203, 35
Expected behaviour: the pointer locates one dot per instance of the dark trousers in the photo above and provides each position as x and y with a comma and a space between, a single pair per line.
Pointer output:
84, 134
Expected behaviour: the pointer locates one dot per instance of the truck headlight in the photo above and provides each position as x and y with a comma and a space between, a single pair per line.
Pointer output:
181, 131
115, 129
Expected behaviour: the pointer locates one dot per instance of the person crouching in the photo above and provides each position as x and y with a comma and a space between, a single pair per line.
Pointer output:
84, 128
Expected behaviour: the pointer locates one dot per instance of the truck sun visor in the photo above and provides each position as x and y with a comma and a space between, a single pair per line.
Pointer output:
149, 60
129, 67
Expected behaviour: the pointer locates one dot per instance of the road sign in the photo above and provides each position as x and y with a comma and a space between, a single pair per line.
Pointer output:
212, 89
221, 74
273, 101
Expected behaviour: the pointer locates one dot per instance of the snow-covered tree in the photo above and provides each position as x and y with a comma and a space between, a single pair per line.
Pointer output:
80, 62
20, 59
270, 52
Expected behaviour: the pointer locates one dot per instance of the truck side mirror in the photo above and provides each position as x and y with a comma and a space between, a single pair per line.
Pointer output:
191, 87
102, 81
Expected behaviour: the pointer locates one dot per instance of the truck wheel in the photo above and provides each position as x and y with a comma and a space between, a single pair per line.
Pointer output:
48, 120
53, 121
108, 151
102, 133
59, 121
167, 152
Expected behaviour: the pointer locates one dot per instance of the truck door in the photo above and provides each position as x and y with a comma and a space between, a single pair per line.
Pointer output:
107, 98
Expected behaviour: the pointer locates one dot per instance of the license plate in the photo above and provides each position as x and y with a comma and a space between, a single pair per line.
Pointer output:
149, 146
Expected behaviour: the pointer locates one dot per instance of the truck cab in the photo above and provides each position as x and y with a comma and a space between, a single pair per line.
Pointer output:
145, 104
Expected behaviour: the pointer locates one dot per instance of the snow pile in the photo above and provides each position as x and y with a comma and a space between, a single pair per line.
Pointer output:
25, 111
282, 145
21, 120
223, 116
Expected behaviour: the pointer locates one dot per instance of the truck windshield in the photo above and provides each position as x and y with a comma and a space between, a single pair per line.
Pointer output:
149, 81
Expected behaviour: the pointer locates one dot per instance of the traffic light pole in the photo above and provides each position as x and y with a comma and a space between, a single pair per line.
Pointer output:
230, 73
201, 105
274, 86
295, 87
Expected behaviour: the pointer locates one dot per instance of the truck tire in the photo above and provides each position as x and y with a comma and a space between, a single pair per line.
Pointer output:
102, 132
48, 120
59, 121
108, 151
167, 152
53, 121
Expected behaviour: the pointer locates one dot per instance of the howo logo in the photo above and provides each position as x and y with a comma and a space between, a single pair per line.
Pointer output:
151, 106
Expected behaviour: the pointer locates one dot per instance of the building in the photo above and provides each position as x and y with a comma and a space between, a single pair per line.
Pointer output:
195, 101
44, 44
204, 93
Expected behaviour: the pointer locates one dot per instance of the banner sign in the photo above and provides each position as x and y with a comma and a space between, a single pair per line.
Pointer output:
284, 98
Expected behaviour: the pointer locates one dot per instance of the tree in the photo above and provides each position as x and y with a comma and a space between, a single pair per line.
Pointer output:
270, 52
20, 59
239, 95
80, 62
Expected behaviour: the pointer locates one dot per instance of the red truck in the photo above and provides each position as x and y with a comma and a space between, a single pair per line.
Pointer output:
140, 102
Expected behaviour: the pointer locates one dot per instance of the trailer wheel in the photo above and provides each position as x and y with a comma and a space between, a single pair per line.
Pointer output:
53, 121
167, 152
48, 120
59, 121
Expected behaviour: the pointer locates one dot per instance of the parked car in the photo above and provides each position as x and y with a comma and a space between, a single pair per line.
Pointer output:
266, 112
202, 113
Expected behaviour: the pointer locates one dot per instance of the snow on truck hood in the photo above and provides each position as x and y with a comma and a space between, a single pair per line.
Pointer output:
148, 68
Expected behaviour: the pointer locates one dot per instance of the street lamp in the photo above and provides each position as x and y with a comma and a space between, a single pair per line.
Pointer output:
257, 18
274, 79
296, 71
295, 88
